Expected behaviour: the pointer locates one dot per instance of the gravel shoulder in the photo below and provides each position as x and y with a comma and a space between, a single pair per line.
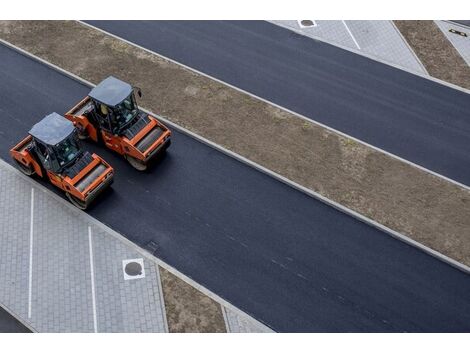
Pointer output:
437, 54
402, 197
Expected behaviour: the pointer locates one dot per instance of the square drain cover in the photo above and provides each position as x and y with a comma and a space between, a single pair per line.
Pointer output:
133, 269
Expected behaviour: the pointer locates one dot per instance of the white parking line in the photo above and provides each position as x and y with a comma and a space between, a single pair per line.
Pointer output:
93, 298
31, 233
349, 31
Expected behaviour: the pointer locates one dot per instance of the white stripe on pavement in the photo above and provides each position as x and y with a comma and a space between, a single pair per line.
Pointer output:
31, 234
349, 31
92, 271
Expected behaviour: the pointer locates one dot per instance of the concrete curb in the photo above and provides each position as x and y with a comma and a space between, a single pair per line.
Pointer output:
266, 171
302, 116
224, 314
162, 299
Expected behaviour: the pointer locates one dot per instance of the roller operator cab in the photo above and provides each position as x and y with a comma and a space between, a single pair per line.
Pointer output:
52, 150
110, 114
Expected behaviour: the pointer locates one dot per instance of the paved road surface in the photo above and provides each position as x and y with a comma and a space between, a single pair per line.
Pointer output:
286, 259
409, 116
463, 22
10, 324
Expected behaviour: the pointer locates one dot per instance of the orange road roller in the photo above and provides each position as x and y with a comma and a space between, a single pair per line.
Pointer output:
52, 151
110, 114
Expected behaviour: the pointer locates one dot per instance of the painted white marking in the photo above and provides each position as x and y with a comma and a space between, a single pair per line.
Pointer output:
349, 31
31, 234
92, 271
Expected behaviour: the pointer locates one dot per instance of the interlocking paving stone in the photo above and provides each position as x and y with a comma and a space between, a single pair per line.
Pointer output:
61, 276
61, 269
15, 201
379, 39
119, 302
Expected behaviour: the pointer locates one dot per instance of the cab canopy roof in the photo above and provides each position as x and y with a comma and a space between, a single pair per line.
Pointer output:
111, 91
52, 129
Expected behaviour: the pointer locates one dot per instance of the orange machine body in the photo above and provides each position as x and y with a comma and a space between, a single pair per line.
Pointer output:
93, 176
141, 140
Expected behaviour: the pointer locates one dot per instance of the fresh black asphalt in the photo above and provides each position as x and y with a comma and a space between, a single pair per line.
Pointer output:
462, 22
8, 324
283, 257
412, 117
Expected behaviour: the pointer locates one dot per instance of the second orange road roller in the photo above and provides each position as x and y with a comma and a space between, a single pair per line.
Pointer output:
110, 114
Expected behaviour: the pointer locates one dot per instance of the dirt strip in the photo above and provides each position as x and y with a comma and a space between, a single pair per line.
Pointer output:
187, 309
424, 207
437, 54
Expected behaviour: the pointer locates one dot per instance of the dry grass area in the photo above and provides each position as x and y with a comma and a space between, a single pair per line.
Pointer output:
425, 208
437, 54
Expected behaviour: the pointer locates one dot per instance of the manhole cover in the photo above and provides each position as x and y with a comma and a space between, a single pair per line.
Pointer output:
133, 269
306, 23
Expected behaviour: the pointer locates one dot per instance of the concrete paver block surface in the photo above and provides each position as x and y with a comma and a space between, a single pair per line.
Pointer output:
54, 292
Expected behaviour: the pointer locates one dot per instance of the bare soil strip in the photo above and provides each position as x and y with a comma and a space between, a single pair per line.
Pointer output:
187, 309
426, 208
437, 54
